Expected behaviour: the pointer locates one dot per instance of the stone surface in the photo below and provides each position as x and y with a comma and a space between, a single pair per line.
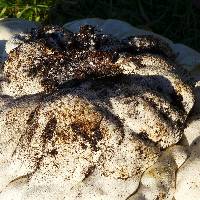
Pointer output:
8, 28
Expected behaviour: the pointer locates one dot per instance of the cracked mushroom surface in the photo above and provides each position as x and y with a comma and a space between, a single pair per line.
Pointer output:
83, 115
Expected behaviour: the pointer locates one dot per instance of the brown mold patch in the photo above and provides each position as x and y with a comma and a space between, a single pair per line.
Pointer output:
88, 132
89, 172
49, 129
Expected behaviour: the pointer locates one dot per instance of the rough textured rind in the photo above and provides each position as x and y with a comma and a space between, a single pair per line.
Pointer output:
58, 57
66, 137
85, 109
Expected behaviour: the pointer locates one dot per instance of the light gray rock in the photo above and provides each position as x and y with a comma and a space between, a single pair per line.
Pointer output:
10, 27
188, 176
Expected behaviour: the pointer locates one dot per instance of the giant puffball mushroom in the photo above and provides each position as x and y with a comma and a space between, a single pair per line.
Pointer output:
57, 57
86, 113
